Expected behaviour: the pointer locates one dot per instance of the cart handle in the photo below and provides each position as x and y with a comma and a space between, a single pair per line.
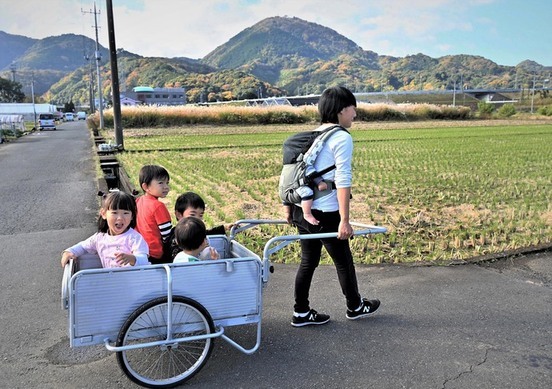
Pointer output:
250, 223
67, 273
288, 239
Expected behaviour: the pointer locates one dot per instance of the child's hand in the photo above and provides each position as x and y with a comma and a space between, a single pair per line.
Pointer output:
228, 227
66, 256
322, 185
122, 259
214, 253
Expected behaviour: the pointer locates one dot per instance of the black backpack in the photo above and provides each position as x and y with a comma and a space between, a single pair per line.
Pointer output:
298, 149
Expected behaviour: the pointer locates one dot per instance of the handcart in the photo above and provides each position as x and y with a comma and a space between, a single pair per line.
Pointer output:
161, 320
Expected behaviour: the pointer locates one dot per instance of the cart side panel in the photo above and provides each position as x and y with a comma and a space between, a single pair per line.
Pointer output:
230, 290
102, 299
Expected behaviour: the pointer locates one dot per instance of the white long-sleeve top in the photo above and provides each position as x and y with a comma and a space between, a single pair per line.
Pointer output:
105, 245
338, 151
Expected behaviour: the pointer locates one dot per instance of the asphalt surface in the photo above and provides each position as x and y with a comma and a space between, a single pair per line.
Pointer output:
477, 325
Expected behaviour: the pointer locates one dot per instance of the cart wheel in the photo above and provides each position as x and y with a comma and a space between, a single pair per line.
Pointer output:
168, 365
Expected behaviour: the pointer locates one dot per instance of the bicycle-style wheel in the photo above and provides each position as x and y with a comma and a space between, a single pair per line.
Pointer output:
167, 365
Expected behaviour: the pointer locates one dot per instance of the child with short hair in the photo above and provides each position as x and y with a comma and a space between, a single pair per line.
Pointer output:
191, 204
190, 235
154, 220
116, 242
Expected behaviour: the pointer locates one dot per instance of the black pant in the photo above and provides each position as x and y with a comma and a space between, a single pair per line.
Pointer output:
311, 249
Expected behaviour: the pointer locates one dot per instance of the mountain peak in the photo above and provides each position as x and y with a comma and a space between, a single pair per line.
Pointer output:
281, 39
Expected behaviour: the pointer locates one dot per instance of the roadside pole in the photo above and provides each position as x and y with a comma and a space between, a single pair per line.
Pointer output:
114, 79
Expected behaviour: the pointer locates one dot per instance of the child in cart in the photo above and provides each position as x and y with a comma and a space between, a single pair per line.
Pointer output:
116, 242
191, 236
191, 204
154, 220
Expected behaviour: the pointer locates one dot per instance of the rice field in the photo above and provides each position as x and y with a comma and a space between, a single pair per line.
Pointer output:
444, 191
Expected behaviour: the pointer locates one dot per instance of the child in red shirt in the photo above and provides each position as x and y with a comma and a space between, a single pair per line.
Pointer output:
153, 220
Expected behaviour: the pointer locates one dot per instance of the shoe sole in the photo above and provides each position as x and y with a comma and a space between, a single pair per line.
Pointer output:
363, 315
311, 323
360, 316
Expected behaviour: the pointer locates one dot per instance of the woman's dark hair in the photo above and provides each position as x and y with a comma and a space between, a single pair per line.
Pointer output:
148, 173
332, 101
188, 200
117, 200
190, 233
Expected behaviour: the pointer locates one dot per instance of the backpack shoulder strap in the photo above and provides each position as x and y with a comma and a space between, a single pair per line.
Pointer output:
316, 147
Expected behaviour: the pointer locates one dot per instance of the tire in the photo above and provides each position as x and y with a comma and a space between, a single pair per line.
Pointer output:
170, 365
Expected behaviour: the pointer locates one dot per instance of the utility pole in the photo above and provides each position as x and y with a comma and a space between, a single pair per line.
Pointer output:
454, 94
533, 94
91, 75
33, 97
13, 69
91, 84
116, 96
98, 57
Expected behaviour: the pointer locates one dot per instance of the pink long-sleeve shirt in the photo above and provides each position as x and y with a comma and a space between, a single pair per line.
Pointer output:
105, 245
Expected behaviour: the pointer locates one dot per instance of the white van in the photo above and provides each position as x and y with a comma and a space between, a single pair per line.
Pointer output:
81, 115
46, 121
69, 117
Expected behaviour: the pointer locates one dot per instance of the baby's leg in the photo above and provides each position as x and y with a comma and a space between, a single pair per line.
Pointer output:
307, 213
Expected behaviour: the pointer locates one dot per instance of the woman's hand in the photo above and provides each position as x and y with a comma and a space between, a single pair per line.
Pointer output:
287, 213
345, 230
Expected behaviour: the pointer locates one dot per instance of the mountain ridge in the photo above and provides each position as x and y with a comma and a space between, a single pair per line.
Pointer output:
276, 56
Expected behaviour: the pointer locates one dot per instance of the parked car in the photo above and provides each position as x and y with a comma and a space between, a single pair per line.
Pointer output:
69, 117
46, 121
81, 115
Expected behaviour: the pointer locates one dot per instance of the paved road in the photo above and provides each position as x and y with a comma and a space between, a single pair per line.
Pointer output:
470, 326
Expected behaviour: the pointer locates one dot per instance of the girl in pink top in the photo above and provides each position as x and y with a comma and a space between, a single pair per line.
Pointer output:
116, 242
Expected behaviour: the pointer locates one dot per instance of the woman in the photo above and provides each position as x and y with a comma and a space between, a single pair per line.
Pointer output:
337, 105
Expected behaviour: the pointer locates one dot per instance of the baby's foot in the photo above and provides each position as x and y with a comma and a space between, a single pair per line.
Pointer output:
311, 219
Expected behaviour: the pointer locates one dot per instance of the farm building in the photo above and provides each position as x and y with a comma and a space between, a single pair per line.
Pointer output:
157, 96
27, 110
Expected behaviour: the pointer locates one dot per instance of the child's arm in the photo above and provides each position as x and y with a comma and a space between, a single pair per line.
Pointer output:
140, 252
133, 251
218, 230
75, 251
123, 259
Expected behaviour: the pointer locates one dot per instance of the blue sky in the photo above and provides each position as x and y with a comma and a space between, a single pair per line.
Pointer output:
504, 31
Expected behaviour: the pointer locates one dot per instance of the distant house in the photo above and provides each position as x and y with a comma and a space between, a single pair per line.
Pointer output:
157, 96
128, 102
493, 98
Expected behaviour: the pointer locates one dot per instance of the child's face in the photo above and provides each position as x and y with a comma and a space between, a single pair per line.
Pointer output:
157, 187
194, 212
118, 220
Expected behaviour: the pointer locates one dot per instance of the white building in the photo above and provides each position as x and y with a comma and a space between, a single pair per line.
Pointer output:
27, 110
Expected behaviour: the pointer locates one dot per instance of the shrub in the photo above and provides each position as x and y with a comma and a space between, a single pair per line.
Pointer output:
379, 112
506, 111
160, 117
484, 109
546, 110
